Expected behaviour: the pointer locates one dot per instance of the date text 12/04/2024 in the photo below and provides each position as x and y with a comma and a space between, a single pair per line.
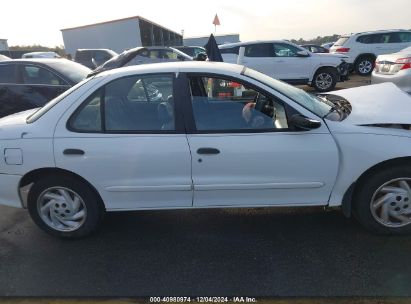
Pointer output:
203, 299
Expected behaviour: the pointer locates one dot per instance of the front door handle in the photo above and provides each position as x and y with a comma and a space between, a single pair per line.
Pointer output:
73, 152
208, 151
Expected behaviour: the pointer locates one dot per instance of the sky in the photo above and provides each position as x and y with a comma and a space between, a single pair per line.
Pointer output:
27, 22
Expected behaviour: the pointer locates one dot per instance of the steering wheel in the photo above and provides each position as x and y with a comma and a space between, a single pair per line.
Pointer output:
262, 110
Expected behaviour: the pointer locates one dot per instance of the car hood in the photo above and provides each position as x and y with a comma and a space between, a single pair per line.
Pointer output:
377, 104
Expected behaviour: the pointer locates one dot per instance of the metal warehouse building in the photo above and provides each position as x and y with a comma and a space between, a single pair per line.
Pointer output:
119, 35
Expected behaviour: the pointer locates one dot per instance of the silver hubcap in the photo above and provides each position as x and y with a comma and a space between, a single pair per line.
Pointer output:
391, 204
323, 81
62, 209
365, 66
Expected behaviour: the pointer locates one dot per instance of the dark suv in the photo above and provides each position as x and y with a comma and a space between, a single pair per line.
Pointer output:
93, 58
27, 84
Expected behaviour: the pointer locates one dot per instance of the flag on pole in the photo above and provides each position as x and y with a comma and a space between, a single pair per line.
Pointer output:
216, 20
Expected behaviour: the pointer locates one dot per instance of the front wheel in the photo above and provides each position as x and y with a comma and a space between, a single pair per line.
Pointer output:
325, 80
383, 201
65, 207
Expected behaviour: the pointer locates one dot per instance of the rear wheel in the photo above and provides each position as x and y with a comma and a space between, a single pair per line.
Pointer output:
364, 65
325, 79
383, 201
65, 207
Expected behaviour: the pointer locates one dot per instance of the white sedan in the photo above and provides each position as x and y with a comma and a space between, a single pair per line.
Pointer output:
207, 135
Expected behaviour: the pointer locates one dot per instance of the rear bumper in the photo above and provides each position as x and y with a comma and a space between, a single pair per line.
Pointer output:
9, 190
402, 79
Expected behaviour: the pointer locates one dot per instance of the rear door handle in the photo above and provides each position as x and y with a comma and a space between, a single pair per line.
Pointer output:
73, 152
208, 151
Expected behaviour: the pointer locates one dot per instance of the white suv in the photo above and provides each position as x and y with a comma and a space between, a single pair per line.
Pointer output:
288, 62
363, 48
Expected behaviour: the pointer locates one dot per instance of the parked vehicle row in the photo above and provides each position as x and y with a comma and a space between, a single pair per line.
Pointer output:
271, 144
395, 68
31, 83
288, 62
363, 48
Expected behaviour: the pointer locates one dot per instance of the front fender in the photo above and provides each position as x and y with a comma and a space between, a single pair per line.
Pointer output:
360, 152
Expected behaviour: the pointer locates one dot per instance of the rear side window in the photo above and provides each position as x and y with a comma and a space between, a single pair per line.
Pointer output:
379, 38
259, 50
367, 39
136, 104
8, 73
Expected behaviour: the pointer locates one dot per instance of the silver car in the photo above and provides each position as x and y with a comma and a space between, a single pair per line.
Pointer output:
395, 68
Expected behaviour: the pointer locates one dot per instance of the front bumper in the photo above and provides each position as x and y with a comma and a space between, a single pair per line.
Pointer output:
343, 71
401, 79
9, 190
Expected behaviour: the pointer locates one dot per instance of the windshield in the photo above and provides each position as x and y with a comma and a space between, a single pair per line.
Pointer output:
341, 41
41, 111
308, 101
74, 71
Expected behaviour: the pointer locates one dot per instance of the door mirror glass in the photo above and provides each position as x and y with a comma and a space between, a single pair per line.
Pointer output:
304, 123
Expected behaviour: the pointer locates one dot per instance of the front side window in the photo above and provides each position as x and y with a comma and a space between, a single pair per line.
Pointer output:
225, 105
285, 50
130, 104
36, 75
259, 50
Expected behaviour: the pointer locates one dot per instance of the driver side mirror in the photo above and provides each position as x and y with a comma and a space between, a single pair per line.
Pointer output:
303, 54
304, 123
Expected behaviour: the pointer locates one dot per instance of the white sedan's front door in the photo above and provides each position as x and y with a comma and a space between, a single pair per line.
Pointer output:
244, 155
125, 141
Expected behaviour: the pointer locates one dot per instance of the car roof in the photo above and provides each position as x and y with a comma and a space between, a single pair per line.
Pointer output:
228, 45
204, 67
375, 32
34, 60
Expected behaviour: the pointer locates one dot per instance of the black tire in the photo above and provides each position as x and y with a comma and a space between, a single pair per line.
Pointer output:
364, 65
94, 207
325, 79
364, 194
